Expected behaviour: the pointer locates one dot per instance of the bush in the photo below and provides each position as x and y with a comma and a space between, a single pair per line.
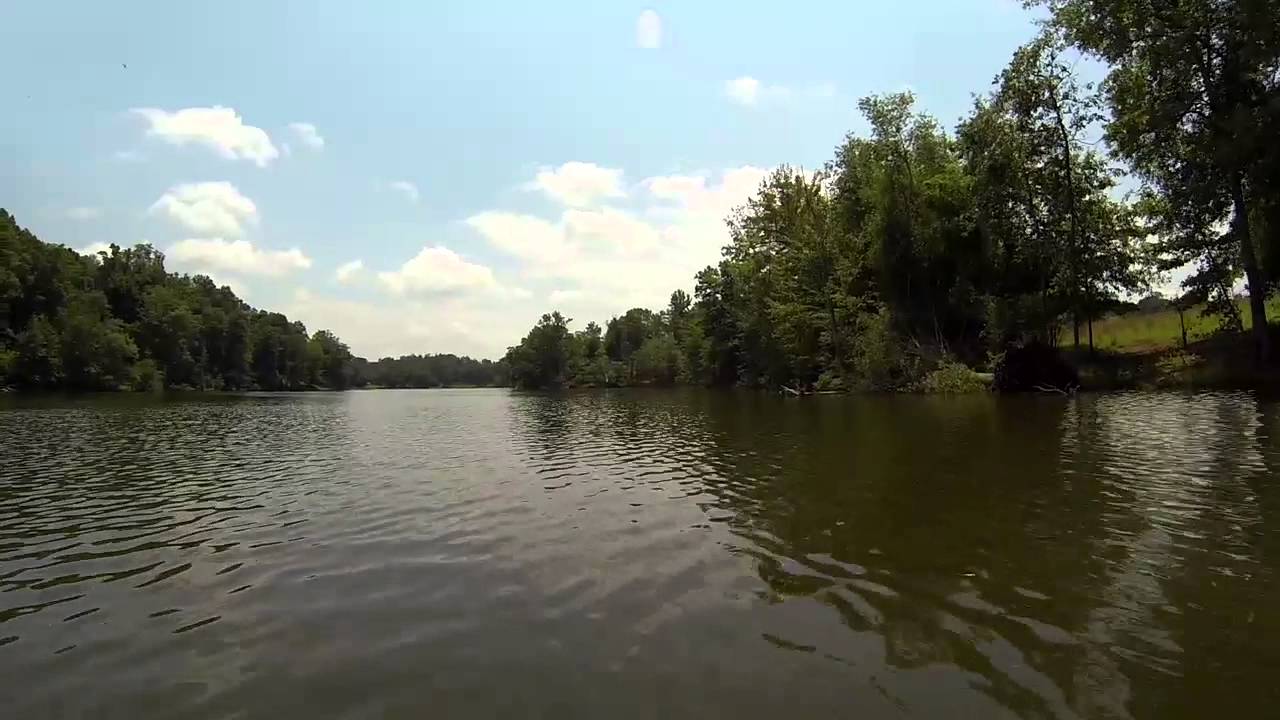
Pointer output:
829, 382
1034, 366
877, 357
952, 378
147, 376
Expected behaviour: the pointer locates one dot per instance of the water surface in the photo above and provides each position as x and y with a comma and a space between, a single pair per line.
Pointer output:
639, 554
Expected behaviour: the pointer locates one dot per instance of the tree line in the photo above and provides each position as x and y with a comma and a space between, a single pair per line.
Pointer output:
915, 248
121, 320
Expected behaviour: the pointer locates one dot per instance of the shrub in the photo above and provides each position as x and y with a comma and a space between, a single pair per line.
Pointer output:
147, 376
952, 378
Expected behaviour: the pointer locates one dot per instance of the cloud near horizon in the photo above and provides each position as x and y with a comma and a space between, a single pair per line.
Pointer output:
207, 208
607, 247
237, 256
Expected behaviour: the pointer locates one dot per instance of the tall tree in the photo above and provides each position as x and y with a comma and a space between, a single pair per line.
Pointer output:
1192, 86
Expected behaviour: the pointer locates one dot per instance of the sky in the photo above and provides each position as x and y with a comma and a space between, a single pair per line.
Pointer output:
423, 177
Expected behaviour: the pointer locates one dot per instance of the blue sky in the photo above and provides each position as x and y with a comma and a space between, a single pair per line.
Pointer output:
481, 162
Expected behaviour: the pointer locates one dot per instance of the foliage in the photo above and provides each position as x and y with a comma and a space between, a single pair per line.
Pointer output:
428, 371
953, 378
1192, 90
120, 320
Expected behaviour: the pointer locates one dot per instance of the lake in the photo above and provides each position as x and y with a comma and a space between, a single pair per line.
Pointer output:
485, 553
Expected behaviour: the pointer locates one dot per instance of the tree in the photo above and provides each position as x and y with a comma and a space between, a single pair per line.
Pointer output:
96, 353
541, 360
120, 319
1192, 90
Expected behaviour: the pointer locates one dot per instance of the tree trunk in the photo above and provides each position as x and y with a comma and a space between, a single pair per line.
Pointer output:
1252, 273
1073, 256
1092, 352
1182, 325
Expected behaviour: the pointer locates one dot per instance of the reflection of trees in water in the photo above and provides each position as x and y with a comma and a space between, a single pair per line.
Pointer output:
1173, 470
1058, 549
934, 524
1104, 556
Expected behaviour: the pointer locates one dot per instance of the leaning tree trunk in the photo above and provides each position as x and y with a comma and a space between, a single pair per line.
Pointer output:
1252, 273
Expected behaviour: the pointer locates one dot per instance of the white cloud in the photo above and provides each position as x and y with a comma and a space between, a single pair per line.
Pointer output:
606, 260
589, 262
208, 208
559, 297
479, 326
579, 183
93, 250
84, 213
744, 90
437, 270
218, 128
237, 256
347, 272
406, 188
608, 228
523, 236
649, 30
307, 135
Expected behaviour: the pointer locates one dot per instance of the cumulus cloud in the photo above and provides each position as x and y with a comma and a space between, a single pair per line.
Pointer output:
588, 261
605, 260
481, 327
208, 208
649, 30
579, 183
93, 250
237, 256
347, 272
437, 270
84, 213
218, 128
307, 135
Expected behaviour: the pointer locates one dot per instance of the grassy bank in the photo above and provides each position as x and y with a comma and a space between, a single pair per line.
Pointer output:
1147, 332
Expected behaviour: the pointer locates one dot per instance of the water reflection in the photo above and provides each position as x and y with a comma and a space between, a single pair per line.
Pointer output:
641, 554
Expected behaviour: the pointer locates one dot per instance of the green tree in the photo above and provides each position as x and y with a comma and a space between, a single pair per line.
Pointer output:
541, 360
96, 353
1192, 90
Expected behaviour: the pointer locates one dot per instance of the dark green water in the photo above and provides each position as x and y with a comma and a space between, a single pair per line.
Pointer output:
640, 554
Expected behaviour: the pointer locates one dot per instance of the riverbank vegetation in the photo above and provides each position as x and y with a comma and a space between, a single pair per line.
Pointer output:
916, 251
918, 257
121, 321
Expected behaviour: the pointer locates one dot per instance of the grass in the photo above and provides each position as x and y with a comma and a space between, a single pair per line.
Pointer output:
1139, 332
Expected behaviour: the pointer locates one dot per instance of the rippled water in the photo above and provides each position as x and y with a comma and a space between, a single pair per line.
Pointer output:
639, 554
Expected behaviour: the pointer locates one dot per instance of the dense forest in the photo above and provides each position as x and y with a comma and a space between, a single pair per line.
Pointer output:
916, 250
120, 320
